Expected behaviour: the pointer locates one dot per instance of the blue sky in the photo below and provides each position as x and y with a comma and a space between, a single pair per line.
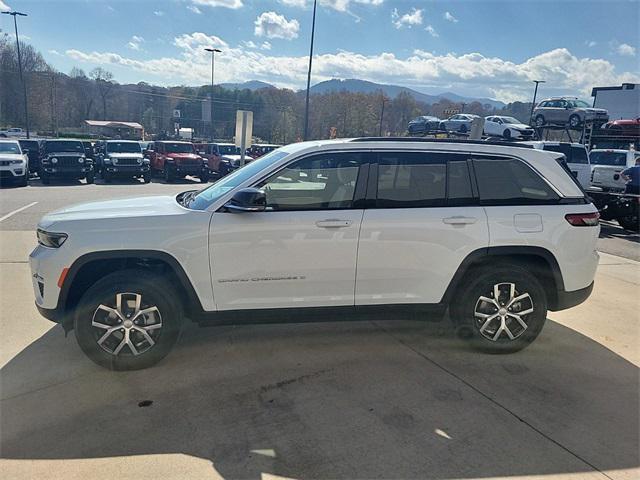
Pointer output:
473, 47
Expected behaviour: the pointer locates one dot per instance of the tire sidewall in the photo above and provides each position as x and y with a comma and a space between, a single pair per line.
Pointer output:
154, 291
481, 283
577, 122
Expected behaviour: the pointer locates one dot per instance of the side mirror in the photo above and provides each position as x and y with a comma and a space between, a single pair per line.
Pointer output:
247, 200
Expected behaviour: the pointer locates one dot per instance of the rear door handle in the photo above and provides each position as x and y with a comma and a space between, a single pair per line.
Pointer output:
459, 220
333, 223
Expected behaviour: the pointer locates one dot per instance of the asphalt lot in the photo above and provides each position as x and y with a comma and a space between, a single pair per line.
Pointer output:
394, 399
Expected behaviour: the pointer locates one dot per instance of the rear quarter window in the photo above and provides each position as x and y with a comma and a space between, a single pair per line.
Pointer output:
507, 181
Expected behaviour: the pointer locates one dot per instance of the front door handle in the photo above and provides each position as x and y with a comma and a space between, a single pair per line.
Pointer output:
460, 220
333, 223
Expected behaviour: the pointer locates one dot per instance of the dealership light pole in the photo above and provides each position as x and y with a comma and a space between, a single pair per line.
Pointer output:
535, 94
24, 85
306, 108
213, 62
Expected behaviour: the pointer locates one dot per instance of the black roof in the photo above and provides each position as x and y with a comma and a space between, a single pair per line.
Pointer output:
441, 140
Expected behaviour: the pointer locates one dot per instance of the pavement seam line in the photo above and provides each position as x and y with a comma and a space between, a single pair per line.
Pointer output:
18, 210
490, 399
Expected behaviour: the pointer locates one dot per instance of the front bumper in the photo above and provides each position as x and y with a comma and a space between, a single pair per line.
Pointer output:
195, 170
126, 170
12, 172
66, 172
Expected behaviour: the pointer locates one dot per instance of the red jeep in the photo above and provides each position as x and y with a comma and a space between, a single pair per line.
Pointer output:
218, 165
176, 160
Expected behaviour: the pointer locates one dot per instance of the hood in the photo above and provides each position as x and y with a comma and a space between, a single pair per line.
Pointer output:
11, 156
596, 110
113, 209
125, 155
520, 126
64, 154
235, 157
186, 156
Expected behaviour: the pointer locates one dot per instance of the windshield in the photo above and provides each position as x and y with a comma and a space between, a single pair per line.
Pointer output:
123, 147
510, 120
9, 147
64, 146
179, 148
208, 196
229, 150
578, 104
618, 159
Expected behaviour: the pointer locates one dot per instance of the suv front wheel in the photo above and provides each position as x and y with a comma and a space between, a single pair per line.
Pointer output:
128, 320
501, 310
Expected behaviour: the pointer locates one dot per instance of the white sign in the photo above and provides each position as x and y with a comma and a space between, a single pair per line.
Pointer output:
244, 131
176, 114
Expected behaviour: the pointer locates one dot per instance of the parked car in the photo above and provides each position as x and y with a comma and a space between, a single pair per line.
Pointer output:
257, 150
507, 127
458, 123
423, 124
122, 159
232, 154
32, 148
576, 155
12, 133
218, 165
65, 159
298, 233
14, 164
567, 111
176, 160
623, 127
607, 164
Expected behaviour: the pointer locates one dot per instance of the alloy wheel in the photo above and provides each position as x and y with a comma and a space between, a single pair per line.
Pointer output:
503, 313
130, 327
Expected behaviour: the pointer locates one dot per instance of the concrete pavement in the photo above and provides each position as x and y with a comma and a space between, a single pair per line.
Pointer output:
337, 400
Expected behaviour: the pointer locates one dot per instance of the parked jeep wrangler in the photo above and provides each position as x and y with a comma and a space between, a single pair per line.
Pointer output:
65, 159
175, 160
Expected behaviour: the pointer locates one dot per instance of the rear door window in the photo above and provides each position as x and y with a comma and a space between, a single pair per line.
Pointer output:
579, 155
508, 181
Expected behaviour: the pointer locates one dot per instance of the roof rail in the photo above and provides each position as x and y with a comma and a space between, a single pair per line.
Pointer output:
440, 140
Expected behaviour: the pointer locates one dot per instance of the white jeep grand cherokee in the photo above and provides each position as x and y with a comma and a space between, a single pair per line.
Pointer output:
496, 232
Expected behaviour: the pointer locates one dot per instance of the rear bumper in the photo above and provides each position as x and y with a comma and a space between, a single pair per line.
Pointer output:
571, 299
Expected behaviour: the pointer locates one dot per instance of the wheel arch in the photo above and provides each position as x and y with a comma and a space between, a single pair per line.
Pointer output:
88, 268
536, 259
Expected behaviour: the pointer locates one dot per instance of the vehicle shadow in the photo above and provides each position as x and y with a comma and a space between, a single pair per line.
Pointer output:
338, 400
610, 230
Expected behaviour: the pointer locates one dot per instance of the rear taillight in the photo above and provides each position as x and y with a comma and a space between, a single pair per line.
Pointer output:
583, 219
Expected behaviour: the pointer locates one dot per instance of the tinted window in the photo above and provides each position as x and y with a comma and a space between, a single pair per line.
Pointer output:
579, 155
321, 182
564, 149
411, 179
459, 190
504, 181
618, 159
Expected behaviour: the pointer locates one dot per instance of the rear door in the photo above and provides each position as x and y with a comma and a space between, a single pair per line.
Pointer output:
422, 221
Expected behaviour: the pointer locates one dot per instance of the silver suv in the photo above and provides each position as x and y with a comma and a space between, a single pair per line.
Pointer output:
567, 111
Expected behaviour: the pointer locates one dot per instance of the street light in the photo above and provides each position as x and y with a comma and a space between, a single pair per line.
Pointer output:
306, 108
24, 85
213, 55
535, 94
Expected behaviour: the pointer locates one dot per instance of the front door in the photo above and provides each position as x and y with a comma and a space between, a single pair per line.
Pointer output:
301, 252
425, 222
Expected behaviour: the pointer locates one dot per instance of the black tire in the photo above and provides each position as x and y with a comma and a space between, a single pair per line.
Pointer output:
539, 121
574, 121
168, 176
443, 127
467, 307
24, 180
507, 134
463, 128
204, 178
154, 291
90, 177
45, 178
106, 176
146, 178
630, 222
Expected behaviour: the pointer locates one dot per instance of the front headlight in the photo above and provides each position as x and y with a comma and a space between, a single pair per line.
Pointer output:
50, 239
17, 162
54, 160
81, 160
139, 161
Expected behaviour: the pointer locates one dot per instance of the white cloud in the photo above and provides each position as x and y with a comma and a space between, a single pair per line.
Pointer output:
408, 19
233, 4
273, 25
4, 7
158, 13
265, 45
590, 43
449, 17
194, 9
338, 5
253, 45
493, 77
294, 3
432, 31
54, 52
134, 43
626, 50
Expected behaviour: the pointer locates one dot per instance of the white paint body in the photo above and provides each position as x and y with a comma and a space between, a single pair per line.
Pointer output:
277, 259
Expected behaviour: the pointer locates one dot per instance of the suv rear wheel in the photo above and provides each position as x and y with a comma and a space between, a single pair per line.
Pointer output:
128, 320
501, 310
540, 121
574, 121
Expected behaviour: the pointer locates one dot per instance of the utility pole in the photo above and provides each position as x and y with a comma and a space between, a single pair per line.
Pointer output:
535, 94
213, 63
306, 109
381, 116
24, 86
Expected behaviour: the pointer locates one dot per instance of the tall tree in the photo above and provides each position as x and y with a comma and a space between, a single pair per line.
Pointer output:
104, 83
